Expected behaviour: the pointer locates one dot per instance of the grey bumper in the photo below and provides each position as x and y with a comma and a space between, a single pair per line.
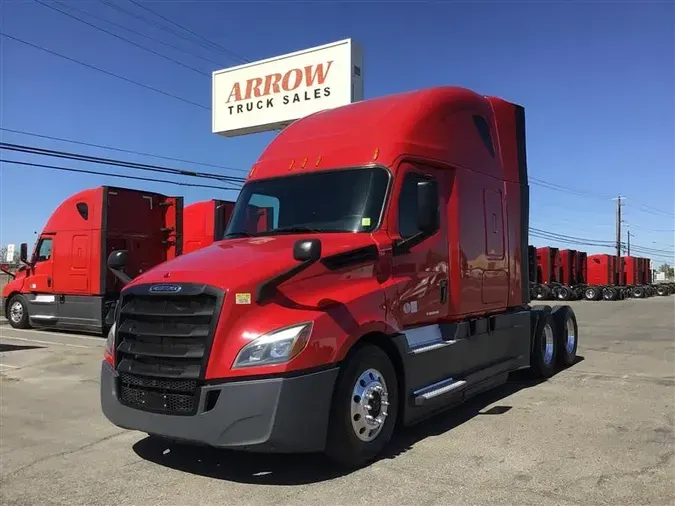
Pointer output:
265, 415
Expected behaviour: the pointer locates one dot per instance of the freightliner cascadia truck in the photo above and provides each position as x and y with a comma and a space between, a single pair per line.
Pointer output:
66, 284
389, 281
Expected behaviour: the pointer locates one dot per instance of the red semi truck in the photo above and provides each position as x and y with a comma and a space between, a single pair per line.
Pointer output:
389, 282
66, 284
204, 223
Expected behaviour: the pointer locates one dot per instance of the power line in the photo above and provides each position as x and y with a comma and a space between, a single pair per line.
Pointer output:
102, 146
123, 39
118, 163
151, 88
141, 34
207, 41
138, 178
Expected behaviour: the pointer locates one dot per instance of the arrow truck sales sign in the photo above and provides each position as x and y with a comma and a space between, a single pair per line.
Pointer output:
270, 94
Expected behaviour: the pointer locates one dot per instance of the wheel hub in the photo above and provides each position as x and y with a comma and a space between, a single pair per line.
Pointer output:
571, 335
369, 405
16, 312
547, 344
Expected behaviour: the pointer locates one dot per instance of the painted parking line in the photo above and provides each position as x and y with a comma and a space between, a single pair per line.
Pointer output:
48, 342
9, 366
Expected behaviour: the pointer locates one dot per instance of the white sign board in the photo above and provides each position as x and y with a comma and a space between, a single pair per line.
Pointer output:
9, 254
270, 94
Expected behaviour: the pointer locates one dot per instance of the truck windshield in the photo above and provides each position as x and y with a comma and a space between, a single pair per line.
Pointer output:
346, 200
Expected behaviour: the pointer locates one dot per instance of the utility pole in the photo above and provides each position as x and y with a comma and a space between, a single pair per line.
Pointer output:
618, 227
628, 244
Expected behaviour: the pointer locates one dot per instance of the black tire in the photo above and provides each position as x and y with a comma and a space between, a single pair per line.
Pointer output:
17, 306
591, 293
638, 292
661, 291
343, 446
610, 293
564, 293
567, 334
543, 360
543, 292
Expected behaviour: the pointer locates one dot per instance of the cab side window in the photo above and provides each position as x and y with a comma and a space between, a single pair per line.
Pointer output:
44, 250
407, 205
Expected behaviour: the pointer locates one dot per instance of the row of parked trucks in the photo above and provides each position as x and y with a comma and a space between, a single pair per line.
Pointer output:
569, 274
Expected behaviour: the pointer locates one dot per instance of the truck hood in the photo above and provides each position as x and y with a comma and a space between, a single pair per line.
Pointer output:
15, 284
237, 262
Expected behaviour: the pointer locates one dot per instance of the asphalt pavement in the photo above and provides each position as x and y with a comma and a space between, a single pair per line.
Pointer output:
600, 432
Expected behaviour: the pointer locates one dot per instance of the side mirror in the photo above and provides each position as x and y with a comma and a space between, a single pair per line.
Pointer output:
23, 253
427, 206
118, 259
307, 250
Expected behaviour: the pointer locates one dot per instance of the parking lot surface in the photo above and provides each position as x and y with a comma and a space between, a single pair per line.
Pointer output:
600, 432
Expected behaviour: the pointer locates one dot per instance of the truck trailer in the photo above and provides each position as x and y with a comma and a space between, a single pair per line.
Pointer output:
389, 282
66, 284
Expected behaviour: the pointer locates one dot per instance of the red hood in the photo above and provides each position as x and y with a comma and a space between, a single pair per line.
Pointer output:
16, 284
236, 262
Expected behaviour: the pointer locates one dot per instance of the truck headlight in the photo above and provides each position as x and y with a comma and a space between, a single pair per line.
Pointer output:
275, 347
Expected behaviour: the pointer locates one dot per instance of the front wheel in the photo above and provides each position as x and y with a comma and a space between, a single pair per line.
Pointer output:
17, 313
365, 407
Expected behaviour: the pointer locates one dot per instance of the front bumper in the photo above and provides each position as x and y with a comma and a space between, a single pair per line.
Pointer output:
265, 415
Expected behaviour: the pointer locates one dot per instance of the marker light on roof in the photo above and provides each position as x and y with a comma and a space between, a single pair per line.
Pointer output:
376, 153
304, 162
290, 167
318, 161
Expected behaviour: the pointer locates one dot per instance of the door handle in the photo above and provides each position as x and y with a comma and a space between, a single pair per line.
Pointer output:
444, 291
49, 281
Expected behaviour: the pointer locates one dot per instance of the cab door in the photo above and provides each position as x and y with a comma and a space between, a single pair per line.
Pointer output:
420, 274
42, 276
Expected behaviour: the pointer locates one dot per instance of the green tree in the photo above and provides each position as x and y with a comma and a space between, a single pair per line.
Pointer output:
668, 270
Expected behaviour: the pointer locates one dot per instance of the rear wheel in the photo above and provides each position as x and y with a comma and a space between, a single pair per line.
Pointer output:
545, 349
543, 292
638, 292
661, 290
17, 312
591, 293
365, 407
564, 293
567, 334
610, 293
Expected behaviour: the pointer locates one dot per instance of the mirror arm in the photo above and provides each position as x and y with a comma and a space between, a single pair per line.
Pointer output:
402, 246
121, 275
266, 289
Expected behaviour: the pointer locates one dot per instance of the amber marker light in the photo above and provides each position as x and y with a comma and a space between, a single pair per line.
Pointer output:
318, 161
376, 153
304, 163
290, 167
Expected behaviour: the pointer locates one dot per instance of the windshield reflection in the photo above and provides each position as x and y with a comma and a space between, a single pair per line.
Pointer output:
346, 200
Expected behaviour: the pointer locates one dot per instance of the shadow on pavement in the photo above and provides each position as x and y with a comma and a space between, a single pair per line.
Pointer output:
15, 347
280, 469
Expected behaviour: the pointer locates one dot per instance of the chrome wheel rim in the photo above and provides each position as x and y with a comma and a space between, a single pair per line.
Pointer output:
547, 344
590, 293
571, 336
16, 312
369, 405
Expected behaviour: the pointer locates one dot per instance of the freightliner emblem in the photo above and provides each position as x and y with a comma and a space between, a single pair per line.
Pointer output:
165, 288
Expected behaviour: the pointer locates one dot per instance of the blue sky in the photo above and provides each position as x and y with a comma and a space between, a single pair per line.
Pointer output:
596, 80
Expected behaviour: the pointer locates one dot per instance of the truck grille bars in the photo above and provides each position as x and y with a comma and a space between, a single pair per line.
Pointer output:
164, 336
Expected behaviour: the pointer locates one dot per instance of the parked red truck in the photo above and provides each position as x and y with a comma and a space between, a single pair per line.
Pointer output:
390, 282
204, 223
66, 284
